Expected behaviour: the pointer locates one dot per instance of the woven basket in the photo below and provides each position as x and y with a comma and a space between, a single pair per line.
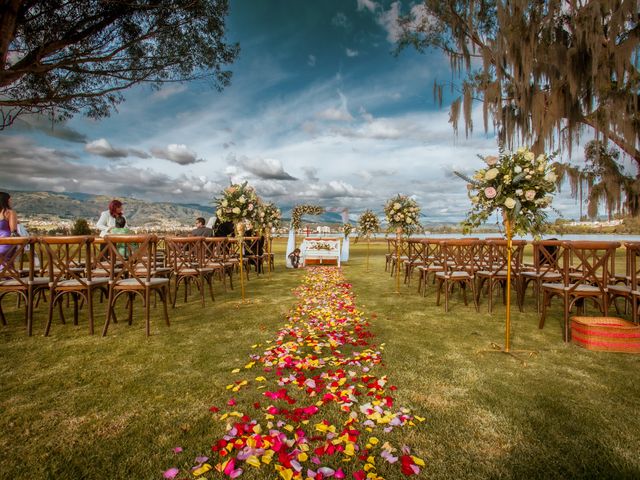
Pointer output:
605, 334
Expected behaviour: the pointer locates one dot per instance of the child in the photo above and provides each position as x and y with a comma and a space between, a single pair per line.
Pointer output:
295, 258
121, 229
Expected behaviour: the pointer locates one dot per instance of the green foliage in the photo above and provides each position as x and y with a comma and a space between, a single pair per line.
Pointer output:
403, 212
268, 216
547, 69
237, 202
78, 55
347, 228
81, 227
368, 223
304, 209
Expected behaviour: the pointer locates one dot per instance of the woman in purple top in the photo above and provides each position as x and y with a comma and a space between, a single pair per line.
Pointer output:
8, 221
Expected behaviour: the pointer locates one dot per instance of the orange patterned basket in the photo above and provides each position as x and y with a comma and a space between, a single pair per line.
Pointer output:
605, 334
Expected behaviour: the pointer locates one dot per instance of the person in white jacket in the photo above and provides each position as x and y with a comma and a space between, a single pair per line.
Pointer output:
107, 219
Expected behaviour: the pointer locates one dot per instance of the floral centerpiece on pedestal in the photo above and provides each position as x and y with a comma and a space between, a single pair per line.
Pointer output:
300, 210
237, 203
520, 184
268, 216
347, 228
402, 212
368, 223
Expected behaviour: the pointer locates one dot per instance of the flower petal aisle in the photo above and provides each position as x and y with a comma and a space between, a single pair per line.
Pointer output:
324, 413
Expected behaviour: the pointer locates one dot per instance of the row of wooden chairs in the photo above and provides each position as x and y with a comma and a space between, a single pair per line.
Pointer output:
120, 265
574, 271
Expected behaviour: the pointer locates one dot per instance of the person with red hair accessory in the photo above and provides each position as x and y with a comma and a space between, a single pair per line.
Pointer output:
107, 219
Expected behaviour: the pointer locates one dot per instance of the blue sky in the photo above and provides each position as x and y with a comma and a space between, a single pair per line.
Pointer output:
319, 110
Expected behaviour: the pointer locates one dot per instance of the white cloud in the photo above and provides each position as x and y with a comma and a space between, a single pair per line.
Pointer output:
168, 91
264, 168
389, 21
176, 153
368, 4
340, 113
351, 53
103, 148
311, 60
335, 189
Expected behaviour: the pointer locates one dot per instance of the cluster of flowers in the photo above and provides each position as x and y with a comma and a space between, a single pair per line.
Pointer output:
347, 228
325, 412
403, 212
299, 210
268, 216
237, 203
368, 223
520, 184
321, 246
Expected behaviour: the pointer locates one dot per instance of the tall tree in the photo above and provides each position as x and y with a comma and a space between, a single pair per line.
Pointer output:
61, 57
543, 68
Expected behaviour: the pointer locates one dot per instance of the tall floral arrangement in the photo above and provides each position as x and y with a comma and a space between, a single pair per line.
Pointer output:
520, 184
347, 228
268, 216
368, 223
403, 212
299, 210
237, 203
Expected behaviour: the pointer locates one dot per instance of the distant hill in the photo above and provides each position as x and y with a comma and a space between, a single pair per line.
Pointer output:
71, 206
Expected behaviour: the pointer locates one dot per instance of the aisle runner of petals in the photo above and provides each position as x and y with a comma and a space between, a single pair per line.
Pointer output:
329, 414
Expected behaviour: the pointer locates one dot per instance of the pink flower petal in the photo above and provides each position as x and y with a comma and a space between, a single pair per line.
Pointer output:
171, 473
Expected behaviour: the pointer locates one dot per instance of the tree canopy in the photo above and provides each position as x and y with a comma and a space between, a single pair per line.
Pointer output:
61, 57
543, 69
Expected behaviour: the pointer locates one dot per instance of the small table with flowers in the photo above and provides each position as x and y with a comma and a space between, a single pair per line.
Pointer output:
320, 251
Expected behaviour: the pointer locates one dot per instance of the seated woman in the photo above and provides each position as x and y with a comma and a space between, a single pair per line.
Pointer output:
107, 219
295, 258
8, 223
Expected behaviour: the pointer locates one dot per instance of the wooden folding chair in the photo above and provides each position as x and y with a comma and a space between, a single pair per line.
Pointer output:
592, 261
13, 278
458, 258
628, 290
214, 257
185, 256
546, 267
135, 277
66, 277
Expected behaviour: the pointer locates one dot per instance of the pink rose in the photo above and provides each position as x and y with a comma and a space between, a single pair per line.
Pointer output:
491, 160
490, 192
530, 194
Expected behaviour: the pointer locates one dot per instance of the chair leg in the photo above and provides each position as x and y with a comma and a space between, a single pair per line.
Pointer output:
90, 307
566, 318
109, 308
210, 281
446, 296
163, 297
147, 309
75, 308
130, 307
52, 299
544, 310
438, 293
2, 317
29, 311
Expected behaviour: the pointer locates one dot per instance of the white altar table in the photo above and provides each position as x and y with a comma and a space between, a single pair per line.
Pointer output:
320, 251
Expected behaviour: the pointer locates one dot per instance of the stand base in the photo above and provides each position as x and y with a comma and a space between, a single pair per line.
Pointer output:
495, 348
243, 302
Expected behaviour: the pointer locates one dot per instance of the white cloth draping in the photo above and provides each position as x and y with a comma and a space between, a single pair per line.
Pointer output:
344, 254
291, 246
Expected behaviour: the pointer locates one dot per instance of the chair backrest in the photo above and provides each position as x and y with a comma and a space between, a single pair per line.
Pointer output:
548, 255
591, 260
459, 254
416, 249
63, 258
214, 249
136, 261
9, 261
499, 255
633, 266
184, 253
252, 246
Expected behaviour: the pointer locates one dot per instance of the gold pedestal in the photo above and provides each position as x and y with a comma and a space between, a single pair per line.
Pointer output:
398, 250
240, 240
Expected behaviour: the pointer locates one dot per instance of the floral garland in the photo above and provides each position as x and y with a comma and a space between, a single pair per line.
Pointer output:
347, 228
238, 202
321, 246
519, 184
268, 216
325, 412
368, 223
300, 210
403, 212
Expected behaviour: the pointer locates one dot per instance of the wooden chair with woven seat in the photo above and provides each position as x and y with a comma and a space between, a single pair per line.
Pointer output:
252, 253
592, 259
626, 286
135, 277
65, 278
458, 259
13, 278
493, 270
214, 257
415, 254
185, 256
431, 263
396, 263
546, 267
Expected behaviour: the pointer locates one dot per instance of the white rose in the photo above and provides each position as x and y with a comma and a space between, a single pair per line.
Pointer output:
528, 177
550, 177
491, 160
529, 156
491, 174
541, 157
409, 220
509, 202
396, 206
541, 168
397, 218
236, 210
521, 150
475, 199
517, 169
242, 199
519, 192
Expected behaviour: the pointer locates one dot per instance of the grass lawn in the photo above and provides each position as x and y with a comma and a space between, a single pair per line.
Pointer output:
74, 406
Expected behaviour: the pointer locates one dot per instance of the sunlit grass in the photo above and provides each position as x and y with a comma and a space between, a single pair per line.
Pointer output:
75, 406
